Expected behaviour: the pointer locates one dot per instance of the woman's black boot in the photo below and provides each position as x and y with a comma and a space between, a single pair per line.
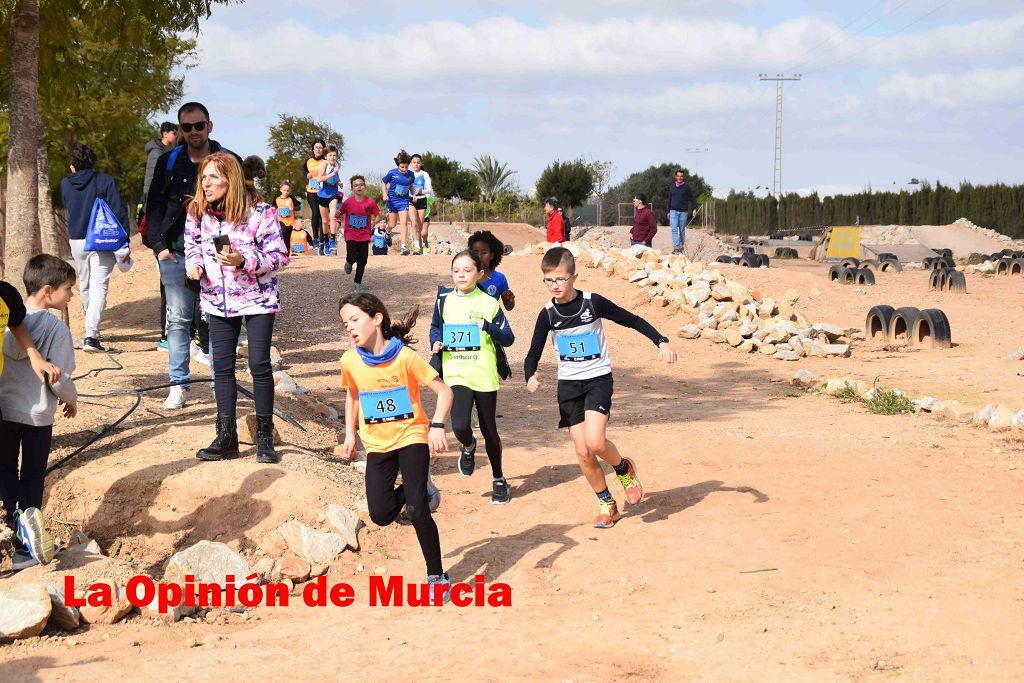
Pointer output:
225, 444
265, 452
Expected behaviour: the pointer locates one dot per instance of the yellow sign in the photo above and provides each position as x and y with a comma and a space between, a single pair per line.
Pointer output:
844, 243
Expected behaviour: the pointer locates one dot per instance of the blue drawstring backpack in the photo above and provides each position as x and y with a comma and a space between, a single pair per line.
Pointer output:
104, 232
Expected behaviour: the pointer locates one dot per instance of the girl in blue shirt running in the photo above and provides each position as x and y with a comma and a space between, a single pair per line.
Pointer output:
396, 186
329, 178
490, 250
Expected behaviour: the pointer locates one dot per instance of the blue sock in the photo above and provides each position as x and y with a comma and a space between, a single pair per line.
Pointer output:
605, 496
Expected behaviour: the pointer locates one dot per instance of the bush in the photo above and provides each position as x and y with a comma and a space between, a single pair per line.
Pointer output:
891, 402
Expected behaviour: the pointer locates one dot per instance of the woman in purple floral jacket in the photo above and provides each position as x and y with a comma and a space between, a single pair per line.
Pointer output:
233, 247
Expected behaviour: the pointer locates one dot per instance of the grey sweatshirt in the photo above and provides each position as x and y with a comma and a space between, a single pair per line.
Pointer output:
23, 398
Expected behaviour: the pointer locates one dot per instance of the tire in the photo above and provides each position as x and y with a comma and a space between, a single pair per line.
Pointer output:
837, 273
1006, 252
927, 262
1003, 266
976, 259
901, 326
995, 257
1017, 266
865, 276
869, 263
893, 266
724, 258
763, 261
850, 275
937, 280
931, 329
956, 282
779, 251
948, 262
945, 253
748, 250
850, 263
886, 256
876, 325
749, 260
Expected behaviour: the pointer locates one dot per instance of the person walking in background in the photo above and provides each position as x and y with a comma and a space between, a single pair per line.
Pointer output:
233, 249
682, 208
644, 225
310, 169
555, 221
79, 190
154, 149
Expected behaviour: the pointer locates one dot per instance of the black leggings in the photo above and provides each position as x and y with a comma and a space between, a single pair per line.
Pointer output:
313, 201
224, 342
486, 409
385, 501
24, 490
357, 253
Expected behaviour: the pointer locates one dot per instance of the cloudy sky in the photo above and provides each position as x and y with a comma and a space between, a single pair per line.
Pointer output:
891, 90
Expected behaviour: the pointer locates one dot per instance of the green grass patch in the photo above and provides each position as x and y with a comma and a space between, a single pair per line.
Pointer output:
848, 393
891, 403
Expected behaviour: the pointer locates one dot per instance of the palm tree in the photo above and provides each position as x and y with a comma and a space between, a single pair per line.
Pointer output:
492, 176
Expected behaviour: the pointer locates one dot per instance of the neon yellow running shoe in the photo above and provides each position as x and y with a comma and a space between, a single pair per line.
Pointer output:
631, 483
609, 515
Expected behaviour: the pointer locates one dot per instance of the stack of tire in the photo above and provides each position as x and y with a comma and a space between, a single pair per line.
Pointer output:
786, 252
944, 276
853, 271
908, 326
748, 260
1008, 262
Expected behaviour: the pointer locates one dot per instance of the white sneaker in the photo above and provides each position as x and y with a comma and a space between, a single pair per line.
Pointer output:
175, 398
202, 358
433, 495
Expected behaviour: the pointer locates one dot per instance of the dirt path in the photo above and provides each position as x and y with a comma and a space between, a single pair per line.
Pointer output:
889, 540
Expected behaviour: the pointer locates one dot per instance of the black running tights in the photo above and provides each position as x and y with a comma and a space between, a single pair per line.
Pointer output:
385, 501
486, 409
356, 253
313, 201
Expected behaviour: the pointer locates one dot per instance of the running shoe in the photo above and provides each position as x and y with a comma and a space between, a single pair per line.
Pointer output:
202, 357
608, 516
34, 536
404, 251
22, 560
358, 287
92, 345
175, 398
467, 459
443, 579
500, 492
433, 495
631, 483
348, 268
163, 346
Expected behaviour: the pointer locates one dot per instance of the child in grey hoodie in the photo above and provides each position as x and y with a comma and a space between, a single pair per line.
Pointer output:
28, 406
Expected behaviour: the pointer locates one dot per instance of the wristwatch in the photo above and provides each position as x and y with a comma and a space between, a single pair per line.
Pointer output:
663, 340
438, 425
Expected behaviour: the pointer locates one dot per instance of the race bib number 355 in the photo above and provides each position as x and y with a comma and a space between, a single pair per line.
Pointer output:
387, 405
578, 347
461, 337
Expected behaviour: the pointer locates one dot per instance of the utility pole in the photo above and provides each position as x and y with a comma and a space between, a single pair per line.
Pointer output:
696, 151
777, 171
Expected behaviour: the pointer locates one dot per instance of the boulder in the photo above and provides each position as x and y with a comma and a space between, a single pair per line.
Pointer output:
804, 378
831, 331
294, 568
829, 350
347, 522
733, 337
768, 349
926, 403
208, 562
637, 276
836, 385
791, 297
1001, 420
721, 292
748, 346
953, 410
172, 613
1016, 355
24, 611
689, 332
105, 614
982, 417
315, 546
1018, 419
61, 616
713, 334
785, 355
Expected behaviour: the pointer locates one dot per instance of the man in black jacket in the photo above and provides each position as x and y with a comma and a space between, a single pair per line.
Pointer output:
682, 208
174, 180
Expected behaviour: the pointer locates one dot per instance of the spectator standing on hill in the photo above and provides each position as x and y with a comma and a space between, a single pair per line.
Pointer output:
555, 221
154, 149
682, 208
174, 182
644, 225
79, 190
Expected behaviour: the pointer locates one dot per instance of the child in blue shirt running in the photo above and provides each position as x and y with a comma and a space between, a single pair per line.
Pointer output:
396, 186
490, 250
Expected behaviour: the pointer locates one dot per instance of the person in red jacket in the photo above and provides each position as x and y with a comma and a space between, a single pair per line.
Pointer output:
556, 223
644, 225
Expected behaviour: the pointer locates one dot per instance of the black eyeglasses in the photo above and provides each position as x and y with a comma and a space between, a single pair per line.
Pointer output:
198, 125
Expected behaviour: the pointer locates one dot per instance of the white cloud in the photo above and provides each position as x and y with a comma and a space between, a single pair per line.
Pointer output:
980, 88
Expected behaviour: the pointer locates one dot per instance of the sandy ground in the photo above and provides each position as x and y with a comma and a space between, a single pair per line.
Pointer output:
785, 536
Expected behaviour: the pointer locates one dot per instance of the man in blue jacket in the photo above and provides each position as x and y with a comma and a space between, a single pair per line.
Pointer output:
682, 208
79, 191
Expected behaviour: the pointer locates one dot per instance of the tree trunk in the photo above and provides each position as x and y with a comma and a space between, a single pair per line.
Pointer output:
22, 223
47, 225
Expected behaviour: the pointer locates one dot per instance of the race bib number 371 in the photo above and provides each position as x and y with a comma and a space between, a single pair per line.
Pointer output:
461, 337
387, 405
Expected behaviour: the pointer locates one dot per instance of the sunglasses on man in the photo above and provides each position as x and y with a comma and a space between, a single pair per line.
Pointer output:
198, 125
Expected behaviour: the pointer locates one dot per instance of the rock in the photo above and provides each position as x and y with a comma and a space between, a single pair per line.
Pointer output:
294, 568
838, 385
111, 614
347, 522
832, 331
748, 346
726, 315
987, 268
982, 417
871, 393
247, 430
172, 613
713, 334
688, 332
208, 562
829, 350
276, 361
1001, 420
1016, 355
926, 403
695, 268
791, 297
720, 292
319, 569
265, 568
768, 349
766, 309
24, 611
637, 276
315, 546
756, 295
785, 355
61, 616
733, 337
783, 346
803, 378
953, 410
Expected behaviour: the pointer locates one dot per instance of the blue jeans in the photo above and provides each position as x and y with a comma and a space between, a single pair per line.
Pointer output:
633, 243
677, 221
181, 303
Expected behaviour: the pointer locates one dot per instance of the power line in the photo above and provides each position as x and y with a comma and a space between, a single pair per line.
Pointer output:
860, 31
777, 167
828, 41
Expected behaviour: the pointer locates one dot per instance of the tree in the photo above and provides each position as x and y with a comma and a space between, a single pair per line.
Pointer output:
654, 182
291, 141
493, 177
449, 178
571, 182
602, 172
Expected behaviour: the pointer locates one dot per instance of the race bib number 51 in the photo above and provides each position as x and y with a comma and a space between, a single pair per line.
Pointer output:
461, 337
387, 405
578, 347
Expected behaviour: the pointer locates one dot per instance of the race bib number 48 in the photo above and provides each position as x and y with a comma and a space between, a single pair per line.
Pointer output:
578, 347
461, 337
387, 405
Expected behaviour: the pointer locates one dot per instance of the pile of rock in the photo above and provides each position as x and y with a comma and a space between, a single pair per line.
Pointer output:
887, 234
987, 232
